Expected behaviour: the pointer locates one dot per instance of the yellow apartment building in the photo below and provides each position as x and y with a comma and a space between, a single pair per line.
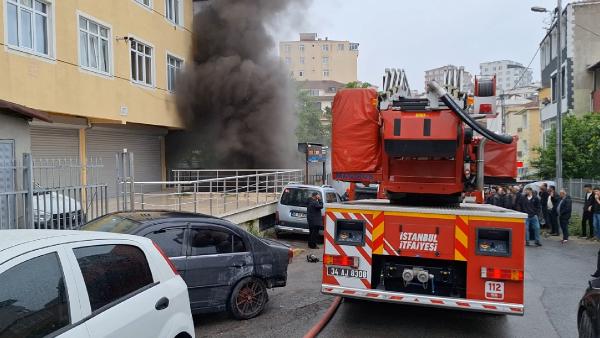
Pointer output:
524, 121
103, 70
315, 59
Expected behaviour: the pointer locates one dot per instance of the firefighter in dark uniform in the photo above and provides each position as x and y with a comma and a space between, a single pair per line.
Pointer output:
315, 220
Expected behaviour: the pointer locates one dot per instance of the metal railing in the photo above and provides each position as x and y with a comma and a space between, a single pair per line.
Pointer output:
213, 196
574, 187
50, 194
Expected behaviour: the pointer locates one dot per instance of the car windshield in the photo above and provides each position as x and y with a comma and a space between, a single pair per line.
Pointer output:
297, 197
111, 223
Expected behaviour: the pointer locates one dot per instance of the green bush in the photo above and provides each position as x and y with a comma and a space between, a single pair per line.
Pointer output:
575, 226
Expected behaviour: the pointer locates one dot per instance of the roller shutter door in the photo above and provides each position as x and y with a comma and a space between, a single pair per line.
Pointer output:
54, 143
106, 143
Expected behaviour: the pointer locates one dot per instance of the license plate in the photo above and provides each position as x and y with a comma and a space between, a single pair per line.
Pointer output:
346, 272
298, 214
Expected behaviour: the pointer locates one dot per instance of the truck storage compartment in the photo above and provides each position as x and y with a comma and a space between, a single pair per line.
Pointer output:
420, 276
500, 160
356, 141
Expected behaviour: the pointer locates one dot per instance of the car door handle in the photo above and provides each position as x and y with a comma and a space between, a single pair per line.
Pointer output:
238, 265
162, 303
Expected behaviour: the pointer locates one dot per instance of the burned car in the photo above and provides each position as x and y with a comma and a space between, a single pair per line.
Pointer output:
225, 267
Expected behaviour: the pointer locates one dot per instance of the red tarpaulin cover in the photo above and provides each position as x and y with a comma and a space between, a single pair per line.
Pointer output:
501, 159
356, 143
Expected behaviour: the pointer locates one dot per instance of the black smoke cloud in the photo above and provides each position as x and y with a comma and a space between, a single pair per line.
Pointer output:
236, 97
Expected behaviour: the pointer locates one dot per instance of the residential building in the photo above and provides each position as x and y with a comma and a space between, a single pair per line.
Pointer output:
439, 75
509, 74
580, 63
315, 59
523, 121
104, 72
321, 93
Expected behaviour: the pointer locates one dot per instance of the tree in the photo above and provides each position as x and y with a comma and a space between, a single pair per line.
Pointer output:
358, 84
581, 149
310, 129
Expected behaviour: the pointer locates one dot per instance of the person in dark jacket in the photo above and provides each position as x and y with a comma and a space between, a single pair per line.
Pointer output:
314, 218
553, 200
469, 181
499, 198
595, 209
587, 221
564, 209
530, 204
518, 197
544, 200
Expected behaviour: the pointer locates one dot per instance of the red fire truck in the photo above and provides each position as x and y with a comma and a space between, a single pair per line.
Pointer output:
420, 246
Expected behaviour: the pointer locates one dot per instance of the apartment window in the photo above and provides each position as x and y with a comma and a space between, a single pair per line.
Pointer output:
173, 68
27, 25
141, 63
300, 73
340, 47
288, 61
326, 73
174, 11
301, 47
325, 48
353, 46
302, 60
554, 44
325, 60
287, 48
94, 46
147, 3
313, 92
554, 88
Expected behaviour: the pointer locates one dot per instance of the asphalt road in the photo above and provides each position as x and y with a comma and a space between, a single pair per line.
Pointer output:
556, 277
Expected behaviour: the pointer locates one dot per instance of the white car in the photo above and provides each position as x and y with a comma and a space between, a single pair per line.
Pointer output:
84, 284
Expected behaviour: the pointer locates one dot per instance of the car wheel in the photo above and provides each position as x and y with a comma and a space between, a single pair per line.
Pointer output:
248, 298
586, 327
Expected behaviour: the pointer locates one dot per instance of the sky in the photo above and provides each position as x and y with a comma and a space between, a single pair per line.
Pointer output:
426, 34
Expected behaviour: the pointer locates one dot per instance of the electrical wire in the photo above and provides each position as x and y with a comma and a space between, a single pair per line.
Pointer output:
527, 68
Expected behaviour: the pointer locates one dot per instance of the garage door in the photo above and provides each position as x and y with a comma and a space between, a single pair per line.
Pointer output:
54, 143
106, 143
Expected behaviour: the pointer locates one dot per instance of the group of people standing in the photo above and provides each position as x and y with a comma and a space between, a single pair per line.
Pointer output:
544, 209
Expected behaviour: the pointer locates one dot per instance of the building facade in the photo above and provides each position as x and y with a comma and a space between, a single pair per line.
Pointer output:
580, 48
315, 59
438, 75
103, 70
523, 120
321, 93
509, 74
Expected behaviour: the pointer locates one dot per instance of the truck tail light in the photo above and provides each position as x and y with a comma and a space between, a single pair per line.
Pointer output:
162, 253
506, 274
340, 260
290, 255
485, 108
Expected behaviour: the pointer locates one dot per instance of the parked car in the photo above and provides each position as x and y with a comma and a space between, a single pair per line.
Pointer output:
536, 186
224, 266
291, 208
54, 210
89, 284
588, 315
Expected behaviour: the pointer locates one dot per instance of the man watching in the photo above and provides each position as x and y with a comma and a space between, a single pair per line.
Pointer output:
587, 221
530, 205
314, 218
563, 210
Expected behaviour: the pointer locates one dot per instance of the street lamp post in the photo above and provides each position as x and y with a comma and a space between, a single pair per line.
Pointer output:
559, 85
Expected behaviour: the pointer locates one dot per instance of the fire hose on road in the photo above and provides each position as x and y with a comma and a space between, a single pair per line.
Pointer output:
314, 331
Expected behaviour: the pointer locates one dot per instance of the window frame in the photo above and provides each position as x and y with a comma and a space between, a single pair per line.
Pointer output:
110, 60
178, 58
135, 39
180, 12
149, 6
73, 296
85, 303
214, 227
326, 73
50, 29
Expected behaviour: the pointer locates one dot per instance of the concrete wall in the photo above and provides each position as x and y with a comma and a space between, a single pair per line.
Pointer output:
17, 129
56, 83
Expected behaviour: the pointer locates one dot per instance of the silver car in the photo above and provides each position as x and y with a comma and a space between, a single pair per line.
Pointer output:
291, 208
